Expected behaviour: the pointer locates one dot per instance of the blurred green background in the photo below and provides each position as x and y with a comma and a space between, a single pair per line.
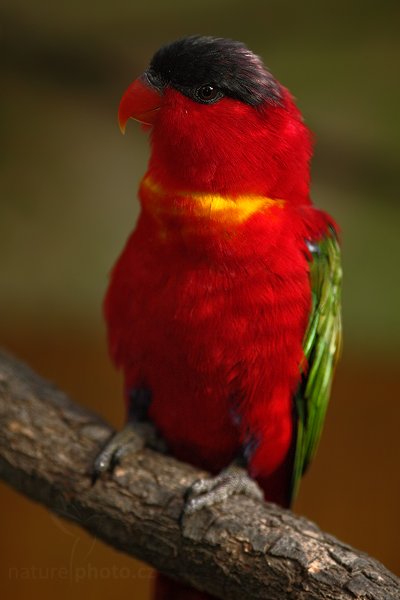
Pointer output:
68, 201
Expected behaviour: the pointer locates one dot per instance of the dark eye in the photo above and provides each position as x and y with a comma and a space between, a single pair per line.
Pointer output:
208, 94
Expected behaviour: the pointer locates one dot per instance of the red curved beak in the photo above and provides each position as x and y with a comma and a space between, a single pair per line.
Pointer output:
140, 102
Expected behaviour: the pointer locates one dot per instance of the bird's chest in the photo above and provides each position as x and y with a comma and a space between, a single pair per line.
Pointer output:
196, 323
202, 329
195, 320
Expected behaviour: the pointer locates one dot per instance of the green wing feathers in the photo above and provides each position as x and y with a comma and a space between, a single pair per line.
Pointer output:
322, 345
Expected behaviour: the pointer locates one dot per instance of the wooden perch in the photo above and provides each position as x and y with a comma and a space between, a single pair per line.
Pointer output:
239, 549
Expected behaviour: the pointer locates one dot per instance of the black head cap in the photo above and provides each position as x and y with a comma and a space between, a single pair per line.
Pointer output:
229, 67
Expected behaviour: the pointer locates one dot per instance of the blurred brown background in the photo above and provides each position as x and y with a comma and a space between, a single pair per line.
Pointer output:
68, 185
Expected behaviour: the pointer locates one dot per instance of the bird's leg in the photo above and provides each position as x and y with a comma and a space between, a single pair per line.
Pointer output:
232, 480
137, 433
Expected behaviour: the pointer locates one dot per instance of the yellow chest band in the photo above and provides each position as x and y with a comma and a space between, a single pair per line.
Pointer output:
214, 207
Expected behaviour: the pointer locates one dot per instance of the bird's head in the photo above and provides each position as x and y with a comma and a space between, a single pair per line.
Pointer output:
219, 121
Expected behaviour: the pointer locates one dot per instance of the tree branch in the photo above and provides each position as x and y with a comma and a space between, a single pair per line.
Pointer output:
239, 549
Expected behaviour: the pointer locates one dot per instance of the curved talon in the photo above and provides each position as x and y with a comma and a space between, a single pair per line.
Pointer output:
202, 485
210, 491
132, 438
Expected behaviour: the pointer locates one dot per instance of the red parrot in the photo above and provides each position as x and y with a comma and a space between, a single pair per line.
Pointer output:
223, 310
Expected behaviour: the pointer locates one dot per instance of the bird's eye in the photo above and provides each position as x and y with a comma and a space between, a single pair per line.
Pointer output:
208, 94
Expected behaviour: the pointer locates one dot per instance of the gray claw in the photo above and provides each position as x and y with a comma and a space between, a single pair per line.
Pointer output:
132, 438
207, 492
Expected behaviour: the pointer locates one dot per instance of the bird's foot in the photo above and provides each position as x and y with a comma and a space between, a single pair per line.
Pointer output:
130, 440
207, 492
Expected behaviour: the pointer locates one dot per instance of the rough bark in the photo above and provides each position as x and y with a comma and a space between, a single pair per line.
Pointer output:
239, 549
